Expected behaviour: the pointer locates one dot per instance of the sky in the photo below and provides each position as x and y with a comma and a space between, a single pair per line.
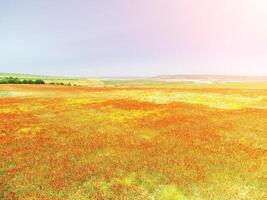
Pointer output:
133, 37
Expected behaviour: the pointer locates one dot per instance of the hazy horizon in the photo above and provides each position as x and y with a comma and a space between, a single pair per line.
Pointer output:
141, 38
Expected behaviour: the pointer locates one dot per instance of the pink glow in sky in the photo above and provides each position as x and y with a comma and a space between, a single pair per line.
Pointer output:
140, 37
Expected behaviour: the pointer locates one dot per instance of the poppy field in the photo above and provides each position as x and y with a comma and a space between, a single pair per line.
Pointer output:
150, 142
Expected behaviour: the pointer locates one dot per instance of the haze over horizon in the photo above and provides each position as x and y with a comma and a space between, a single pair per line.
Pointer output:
140, 38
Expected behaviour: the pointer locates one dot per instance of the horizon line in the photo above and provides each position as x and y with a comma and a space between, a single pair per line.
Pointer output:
133, 76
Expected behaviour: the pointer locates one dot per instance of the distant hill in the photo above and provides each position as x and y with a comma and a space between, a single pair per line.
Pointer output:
211, 78
27, 76
165, 78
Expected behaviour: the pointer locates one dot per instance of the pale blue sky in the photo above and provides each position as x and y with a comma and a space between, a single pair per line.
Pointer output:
133, 37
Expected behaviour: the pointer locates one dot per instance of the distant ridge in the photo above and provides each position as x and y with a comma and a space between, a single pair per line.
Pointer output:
26, 75
174, 78
212, 78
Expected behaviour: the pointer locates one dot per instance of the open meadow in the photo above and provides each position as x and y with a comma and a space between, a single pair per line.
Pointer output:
138, 140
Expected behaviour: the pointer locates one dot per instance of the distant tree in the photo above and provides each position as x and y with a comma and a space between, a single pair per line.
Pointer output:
25, 81
30, 81
39, 81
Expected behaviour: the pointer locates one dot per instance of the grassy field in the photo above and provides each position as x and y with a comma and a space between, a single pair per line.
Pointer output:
134, 140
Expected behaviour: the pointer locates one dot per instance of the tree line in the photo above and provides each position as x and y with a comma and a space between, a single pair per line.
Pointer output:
15, 80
